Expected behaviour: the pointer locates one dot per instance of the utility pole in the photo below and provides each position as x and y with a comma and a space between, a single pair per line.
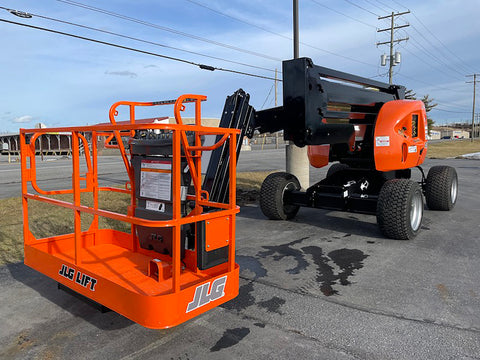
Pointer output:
296, 158
474, 82
477, 125
394, 60
276, 82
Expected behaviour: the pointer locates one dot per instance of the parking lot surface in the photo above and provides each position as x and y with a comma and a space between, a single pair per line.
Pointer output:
326, 285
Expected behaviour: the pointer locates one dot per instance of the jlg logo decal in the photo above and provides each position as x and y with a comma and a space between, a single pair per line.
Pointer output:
206, 293
81, 279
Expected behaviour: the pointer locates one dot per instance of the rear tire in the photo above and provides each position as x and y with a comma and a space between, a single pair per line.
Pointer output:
400, 209
441, 189
272, 194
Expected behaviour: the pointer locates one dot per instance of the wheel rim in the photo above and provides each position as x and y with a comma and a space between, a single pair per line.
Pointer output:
416, 212
454, 190
289, 187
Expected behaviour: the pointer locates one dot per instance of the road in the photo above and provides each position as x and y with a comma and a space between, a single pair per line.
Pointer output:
326, 285
56, 172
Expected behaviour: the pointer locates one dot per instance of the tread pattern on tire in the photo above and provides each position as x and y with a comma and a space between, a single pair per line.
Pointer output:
271, 196
393, 208
438, 187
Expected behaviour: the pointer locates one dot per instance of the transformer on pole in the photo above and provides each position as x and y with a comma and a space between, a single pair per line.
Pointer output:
393, 58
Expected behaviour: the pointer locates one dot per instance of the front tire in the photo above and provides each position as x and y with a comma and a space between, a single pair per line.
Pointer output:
441, 188
400, 209
272, 195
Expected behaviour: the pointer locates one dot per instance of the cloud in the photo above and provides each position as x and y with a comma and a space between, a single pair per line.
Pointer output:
23, 119
122, 73
150, 66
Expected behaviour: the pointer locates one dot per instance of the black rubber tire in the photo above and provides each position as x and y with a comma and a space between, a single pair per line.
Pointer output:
334, 168
441, 189
394, 209
272, 196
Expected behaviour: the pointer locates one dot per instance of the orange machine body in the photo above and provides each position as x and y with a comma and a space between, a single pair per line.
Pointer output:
108, 266
400, 135
318, 155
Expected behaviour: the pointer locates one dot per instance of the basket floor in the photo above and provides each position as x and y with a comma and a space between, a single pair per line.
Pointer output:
127, 269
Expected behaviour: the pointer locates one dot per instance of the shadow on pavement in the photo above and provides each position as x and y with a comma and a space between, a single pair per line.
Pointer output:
351, 223
47, 288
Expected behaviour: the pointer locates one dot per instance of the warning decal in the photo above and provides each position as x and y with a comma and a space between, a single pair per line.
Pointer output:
154, 205
382, 141
412, 149
156, 179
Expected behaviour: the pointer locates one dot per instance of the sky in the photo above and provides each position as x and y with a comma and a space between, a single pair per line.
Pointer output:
64, 81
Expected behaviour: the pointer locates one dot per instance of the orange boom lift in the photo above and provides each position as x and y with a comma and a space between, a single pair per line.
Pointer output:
178, 259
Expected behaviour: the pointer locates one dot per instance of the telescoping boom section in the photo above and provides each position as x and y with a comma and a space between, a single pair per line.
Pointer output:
173, 257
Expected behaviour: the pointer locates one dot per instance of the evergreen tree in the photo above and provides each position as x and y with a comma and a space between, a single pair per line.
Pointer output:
429, 105
410, 94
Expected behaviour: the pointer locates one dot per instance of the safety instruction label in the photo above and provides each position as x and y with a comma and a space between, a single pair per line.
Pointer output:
156, 179
382, 141
412, 149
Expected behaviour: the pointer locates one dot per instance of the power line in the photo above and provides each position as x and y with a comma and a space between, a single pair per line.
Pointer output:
164, 28
451, 105
441, 42
373, 4
15, 12
201, 66
434, 56
237, 19
423, 48
341, 13
396, 2
415, 43
360, 7
464, 64
450, 111
429, 64
386, 5
278, 34
267, 96
425, 83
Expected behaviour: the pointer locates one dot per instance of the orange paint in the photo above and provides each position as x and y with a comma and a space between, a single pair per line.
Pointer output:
318, 155
400, 135
107, 265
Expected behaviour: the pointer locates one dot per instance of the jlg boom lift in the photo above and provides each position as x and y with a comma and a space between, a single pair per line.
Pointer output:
178, 259
376, 136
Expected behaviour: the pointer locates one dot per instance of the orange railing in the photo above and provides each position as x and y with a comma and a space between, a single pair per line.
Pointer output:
90, 177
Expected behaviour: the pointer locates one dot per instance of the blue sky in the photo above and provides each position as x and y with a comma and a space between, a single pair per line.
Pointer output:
62, 81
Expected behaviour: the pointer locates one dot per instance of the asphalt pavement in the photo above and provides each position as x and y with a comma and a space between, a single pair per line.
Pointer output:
326, 285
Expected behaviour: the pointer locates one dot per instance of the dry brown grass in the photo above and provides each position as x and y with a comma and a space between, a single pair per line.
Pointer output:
48, 220
251, 180
452, 148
